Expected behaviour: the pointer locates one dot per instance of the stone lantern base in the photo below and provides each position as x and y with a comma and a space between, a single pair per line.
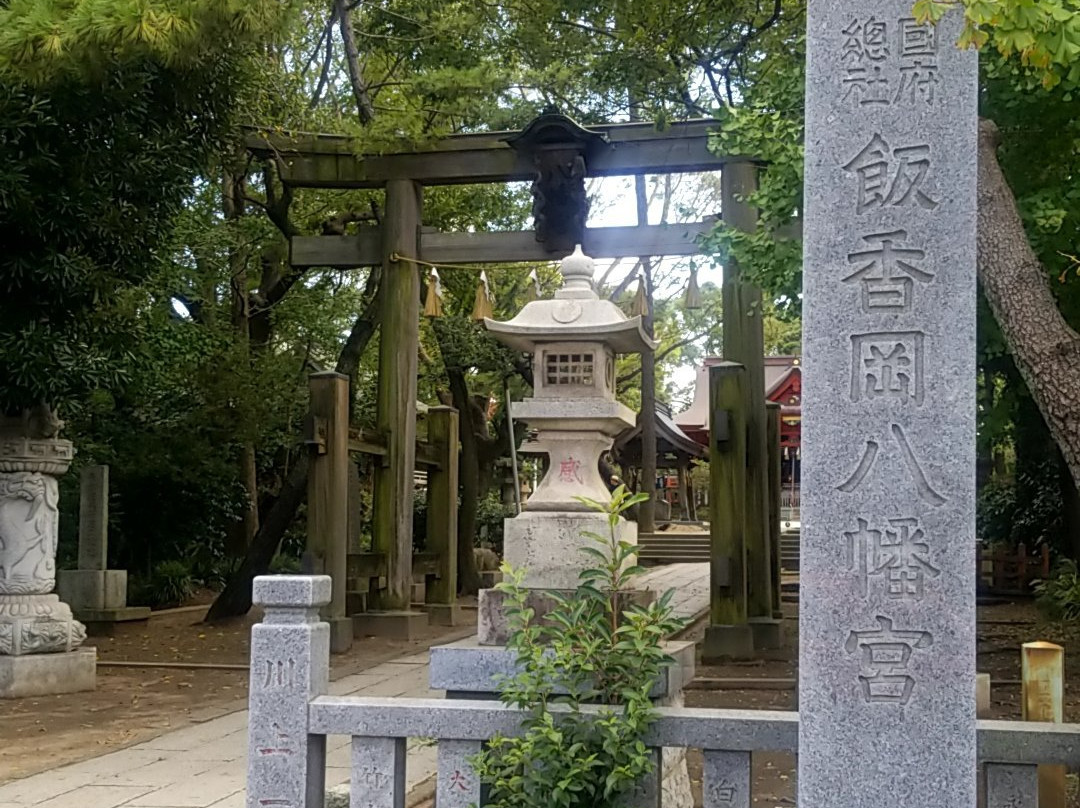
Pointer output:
547, 545
39, 636
48, 674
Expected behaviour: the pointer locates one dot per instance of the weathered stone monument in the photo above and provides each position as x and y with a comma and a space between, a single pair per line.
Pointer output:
574, 339
96, 594
39, 637
887, 646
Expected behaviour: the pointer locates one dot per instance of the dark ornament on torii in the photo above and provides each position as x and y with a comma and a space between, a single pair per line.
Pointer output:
560, 149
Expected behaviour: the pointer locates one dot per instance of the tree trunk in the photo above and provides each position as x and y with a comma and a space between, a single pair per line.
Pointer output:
235, 598
469, 481
232, 196
1046, 349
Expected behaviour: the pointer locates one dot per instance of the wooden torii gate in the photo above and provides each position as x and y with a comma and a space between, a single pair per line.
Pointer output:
557, 155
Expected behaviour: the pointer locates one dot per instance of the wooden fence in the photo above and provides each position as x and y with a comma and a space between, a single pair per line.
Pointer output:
1008, 572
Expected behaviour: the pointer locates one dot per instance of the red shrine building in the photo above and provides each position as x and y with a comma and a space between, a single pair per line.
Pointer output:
783, 385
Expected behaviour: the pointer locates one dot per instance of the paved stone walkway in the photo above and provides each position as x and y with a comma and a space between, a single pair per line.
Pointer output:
204, 765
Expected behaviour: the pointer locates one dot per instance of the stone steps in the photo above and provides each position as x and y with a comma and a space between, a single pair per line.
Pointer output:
675, 548
789, 552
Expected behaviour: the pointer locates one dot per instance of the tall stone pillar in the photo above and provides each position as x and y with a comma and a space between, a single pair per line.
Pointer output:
38, 634
887, 622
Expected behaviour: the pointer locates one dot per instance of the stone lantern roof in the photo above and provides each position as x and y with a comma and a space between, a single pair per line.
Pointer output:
575, 314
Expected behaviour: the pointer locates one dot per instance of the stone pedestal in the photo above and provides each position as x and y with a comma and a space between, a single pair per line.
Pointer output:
768, 633
38, 633
493, 624
48, 674
547, 545
393, 625
443, 614
97, 596
727, 643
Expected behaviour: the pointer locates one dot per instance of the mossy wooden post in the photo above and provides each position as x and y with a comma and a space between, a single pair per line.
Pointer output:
772, 436
440, 592
728, 635
744, 342
328, 496
395, 418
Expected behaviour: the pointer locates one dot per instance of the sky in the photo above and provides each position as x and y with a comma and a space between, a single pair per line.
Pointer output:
614, 206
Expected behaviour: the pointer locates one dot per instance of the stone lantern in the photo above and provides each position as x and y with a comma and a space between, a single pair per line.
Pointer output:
574, 339
39, 637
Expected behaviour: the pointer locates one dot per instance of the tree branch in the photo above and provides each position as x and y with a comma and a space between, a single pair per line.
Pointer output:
364, 107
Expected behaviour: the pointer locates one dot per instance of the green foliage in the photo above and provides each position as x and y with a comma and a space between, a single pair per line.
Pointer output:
110, 111
995, 510
489, 520
170, 584
285, 565
1025, 509
1044, 35
45, 41
587, 651
1059, 597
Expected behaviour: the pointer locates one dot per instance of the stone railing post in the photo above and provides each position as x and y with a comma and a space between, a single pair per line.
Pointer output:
290, 665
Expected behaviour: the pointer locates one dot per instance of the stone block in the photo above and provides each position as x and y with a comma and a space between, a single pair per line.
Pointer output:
768, 633
457, 785
92, 589
493, 624
393, 625
298, 591
1010, 786
727, 643
378, 772
48, 674
726, 778
444, 614
125, 614
102, 622
547, 545
466, 666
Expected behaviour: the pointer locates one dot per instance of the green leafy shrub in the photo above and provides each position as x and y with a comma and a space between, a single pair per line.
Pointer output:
1059, 597
282, 564
490, 514
1026, 509
169, 585
586, 651
995, 510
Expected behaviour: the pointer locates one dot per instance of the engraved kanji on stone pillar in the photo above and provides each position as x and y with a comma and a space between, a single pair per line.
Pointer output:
887, 579
290, 665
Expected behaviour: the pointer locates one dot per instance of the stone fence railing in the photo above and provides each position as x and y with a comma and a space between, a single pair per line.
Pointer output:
291, 715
